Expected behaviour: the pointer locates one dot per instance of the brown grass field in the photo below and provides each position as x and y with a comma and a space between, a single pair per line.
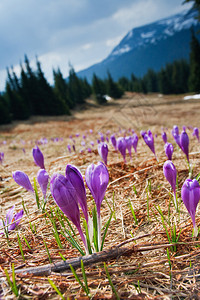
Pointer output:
135, 253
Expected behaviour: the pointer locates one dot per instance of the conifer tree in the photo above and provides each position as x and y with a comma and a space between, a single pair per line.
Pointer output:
194, 78
99, 89
49, 104
76, 93
5, 116
112, 88
61, 89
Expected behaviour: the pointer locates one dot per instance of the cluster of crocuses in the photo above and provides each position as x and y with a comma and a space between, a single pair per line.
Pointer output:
23, 180
69, 193
42, 176
182, 140
190, 191
121, 144
69, 190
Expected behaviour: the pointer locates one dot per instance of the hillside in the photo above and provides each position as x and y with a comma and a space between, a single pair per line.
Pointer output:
148, 46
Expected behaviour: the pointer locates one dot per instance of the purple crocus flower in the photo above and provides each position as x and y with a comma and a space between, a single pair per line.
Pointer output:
69, 148
170, 173
164, 137
11, 220
113, 141
102, 137
1, 157
135, 142
196, 133
169, 149
176, 136
65, 197
184, 142
22, 179
97, 177
149, 140
43, 180
121, 146
76, 179
190, 194
129, 144
38, 157
103, 151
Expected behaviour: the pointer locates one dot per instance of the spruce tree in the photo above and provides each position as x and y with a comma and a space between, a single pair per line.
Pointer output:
75, 93
194, 78
112, 88
5, 116
99, 89
49, 104
61, 89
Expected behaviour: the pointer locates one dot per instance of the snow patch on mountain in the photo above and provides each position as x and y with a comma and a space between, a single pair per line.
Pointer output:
146, 35
154, 32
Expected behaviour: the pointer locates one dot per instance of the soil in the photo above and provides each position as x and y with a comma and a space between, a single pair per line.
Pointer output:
140, 181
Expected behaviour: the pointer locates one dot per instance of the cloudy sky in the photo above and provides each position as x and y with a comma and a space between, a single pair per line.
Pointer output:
80, 32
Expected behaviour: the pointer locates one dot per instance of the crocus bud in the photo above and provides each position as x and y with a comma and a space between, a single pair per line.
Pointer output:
15, 220
11, 220
196, 133
164, 137
38, 157
129, 144
1, 157
135, 142
121, 146
169, 149
43, 180
190, 194
97, 177
184, 142
103, 151
149, 140
176, 136
170, 173
65, 197
22, 179
76, 179
113, 141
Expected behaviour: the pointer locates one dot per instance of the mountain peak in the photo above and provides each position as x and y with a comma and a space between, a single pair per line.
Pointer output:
149, 46
152, 33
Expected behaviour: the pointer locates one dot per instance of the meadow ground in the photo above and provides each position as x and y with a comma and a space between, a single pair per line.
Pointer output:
143, 268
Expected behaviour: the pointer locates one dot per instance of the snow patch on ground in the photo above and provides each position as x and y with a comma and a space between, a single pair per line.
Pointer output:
197, 96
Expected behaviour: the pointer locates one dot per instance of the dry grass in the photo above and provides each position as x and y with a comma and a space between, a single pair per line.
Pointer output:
145, 274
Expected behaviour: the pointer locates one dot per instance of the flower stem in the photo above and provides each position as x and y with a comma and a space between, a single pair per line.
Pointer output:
99, 229
83, 239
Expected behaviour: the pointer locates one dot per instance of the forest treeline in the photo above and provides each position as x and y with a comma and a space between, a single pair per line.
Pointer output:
31, 94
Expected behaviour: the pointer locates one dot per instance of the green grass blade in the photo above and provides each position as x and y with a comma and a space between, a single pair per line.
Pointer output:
110, 281
36, 193
105, 231
133, 213
95, 231
47, 251
20, 247
56, 289
84, 278
77, 278
27, 243
15, 289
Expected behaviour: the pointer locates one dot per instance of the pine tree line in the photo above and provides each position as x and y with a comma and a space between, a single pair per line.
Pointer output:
175, 78
31, 94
